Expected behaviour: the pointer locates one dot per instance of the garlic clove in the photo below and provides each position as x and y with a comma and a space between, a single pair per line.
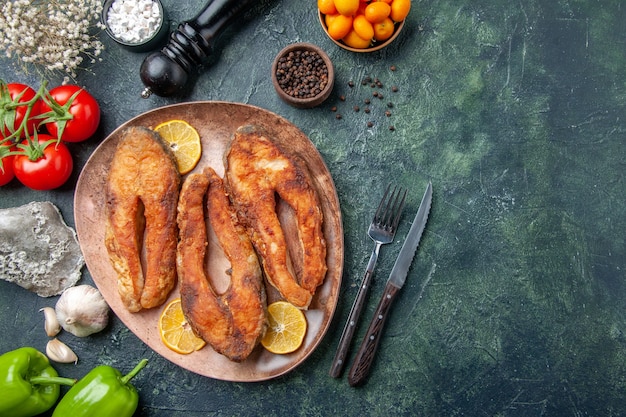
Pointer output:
58, 351
82, 311
51, 324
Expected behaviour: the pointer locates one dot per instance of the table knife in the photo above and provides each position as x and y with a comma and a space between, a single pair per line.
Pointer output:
365, 356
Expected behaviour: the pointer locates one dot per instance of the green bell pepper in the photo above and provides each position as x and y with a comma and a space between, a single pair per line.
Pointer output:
28, 383
103, 392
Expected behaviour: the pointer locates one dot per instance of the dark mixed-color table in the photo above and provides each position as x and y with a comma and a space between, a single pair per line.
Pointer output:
516, 301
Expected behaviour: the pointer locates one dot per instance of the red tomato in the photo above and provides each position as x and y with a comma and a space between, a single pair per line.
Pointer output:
6, 171
49, 171
12, 113
76, 119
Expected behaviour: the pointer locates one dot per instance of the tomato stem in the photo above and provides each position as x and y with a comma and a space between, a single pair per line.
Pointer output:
59, 113
34, 150
11, 105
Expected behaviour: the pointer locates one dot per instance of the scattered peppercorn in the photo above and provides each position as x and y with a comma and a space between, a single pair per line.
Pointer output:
302, 74
377, 85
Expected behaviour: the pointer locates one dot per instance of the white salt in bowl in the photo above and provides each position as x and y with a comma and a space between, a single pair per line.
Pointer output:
138, 25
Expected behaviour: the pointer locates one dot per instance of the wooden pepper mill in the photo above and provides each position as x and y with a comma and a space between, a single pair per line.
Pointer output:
165, 72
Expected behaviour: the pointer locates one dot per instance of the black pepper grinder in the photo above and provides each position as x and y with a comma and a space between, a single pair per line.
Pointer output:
165, 72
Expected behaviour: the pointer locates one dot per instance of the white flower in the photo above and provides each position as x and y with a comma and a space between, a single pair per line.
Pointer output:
53, 35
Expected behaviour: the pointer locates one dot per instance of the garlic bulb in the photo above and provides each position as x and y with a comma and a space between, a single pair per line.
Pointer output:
82, 310
59, 352
51, 324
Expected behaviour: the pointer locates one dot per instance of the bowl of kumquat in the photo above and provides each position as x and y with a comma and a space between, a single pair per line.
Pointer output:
363, 25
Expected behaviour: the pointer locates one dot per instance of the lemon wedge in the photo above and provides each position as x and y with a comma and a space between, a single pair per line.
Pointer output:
287, 328
184, 141
175, 331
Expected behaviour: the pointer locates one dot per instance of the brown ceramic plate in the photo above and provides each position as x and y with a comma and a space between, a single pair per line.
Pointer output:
215, 122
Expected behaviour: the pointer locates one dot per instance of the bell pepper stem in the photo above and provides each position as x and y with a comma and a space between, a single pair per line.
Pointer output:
51, 380
135, 371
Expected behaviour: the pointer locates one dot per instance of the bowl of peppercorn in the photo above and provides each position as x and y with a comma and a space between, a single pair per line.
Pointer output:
303, 75
137, 25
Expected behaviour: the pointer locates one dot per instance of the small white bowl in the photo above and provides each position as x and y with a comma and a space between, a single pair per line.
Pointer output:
148, 44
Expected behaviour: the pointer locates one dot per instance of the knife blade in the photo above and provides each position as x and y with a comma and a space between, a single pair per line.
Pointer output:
365, 356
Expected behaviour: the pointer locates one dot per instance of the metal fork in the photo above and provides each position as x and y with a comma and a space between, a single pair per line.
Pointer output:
382, 231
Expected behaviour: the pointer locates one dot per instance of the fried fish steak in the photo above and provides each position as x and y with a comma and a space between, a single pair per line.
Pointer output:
141, 232
257, 171
232, 322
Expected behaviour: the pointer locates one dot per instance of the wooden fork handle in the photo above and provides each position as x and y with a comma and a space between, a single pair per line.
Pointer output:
348, 331
365, 356
353, 318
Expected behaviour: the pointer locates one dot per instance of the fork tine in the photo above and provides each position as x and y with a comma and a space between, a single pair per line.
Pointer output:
398, 211
380, 209
389, 209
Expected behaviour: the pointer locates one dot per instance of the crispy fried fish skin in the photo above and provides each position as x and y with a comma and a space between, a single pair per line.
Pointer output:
256, 170
141, 201
234, 322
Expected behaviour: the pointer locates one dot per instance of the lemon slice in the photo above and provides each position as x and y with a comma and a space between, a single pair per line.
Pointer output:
184, 141
287, 327
175, 331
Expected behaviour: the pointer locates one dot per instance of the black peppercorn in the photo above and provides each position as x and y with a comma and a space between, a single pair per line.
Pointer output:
377, 86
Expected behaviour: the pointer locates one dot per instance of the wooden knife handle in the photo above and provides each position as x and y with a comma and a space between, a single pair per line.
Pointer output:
365, 356
348, 331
